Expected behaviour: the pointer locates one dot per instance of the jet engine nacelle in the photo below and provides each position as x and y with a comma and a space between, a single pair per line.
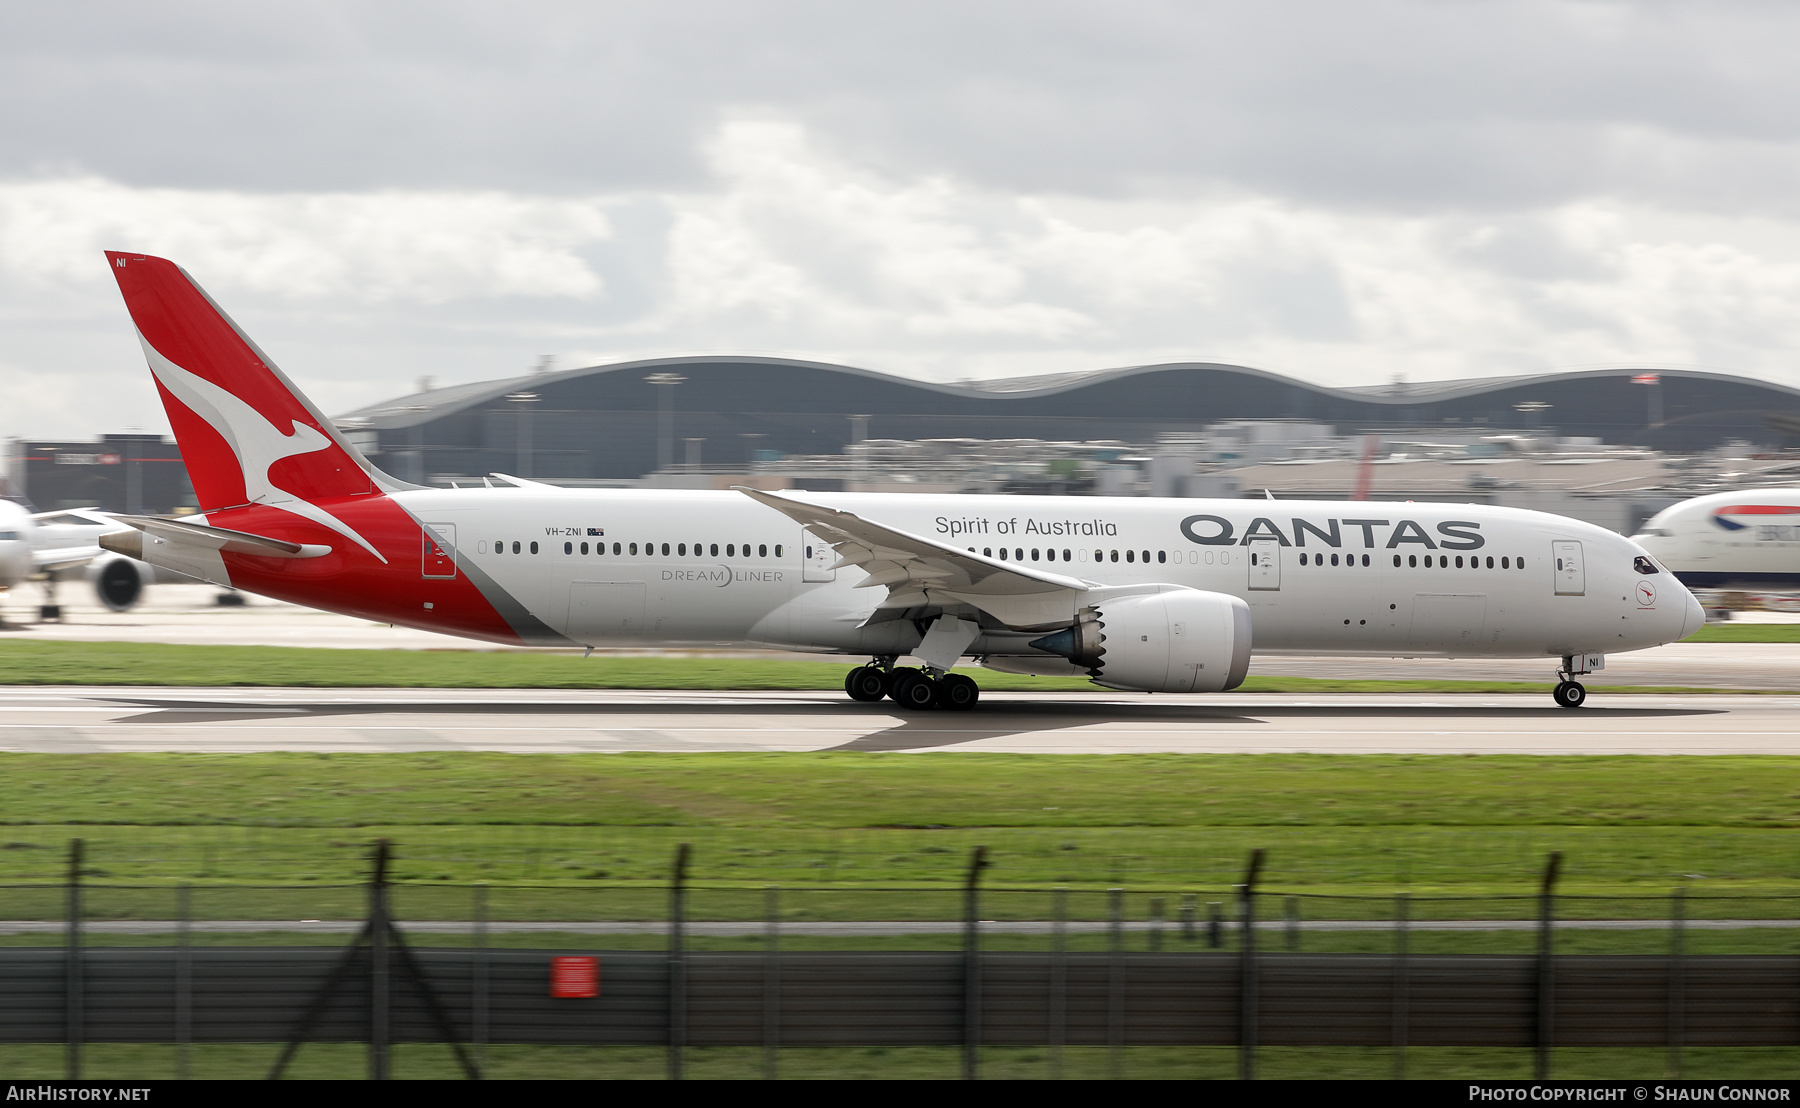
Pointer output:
119, 581
1177, 640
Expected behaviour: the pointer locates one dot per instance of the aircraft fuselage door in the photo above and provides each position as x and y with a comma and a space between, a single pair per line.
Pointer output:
816, 559
1571, 579
1265, 564
436, 558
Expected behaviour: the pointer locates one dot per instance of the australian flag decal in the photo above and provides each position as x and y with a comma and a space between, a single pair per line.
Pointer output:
601, 531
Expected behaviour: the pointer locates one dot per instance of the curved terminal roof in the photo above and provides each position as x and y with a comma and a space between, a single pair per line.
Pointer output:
600, 421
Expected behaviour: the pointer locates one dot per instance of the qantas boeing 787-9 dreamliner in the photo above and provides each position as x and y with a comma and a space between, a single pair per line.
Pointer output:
1151, 595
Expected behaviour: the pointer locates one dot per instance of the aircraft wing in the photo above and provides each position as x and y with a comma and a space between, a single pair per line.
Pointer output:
921, 572
51, 554
51, 559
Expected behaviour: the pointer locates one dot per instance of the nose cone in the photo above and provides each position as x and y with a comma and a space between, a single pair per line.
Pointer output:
1694, 618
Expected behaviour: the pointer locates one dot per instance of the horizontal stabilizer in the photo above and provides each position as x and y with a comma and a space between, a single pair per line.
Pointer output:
180, 533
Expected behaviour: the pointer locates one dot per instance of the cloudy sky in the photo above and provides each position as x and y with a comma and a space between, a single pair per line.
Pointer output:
1341, 192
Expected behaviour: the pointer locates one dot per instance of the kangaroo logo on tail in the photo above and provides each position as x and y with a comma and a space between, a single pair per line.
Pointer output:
257, 443
246, 433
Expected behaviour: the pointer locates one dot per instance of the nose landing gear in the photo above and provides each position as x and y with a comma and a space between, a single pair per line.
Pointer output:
1569, 694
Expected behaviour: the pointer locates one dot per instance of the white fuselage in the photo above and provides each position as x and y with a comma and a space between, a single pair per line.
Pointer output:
1730, 540
16, 531
1377, 578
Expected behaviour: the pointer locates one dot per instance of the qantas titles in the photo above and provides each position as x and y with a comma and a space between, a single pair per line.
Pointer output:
1210, 530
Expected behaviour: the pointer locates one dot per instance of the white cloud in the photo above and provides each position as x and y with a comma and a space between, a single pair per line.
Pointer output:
421, 247
796, 248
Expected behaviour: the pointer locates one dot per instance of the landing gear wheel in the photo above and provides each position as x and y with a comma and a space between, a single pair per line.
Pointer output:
912, 689
866, 683
1570, 694
957, 692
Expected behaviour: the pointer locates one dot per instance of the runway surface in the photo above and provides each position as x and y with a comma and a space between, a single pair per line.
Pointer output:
80, 720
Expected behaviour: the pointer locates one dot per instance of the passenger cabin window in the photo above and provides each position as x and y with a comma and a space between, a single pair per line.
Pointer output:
534, 548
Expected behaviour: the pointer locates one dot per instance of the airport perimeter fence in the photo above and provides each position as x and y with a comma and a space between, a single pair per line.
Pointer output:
688, 965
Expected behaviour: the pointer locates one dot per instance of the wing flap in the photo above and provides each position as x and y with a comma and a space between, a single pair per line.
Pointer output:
921, 572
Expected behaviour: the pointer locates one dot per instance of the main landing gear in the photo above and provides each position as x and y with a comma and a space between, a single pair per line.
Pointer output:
918, 689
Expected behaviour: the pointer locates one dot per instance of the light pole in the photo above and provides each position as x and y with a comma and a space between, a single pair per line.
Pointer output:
859, 434
665, 417
523, 402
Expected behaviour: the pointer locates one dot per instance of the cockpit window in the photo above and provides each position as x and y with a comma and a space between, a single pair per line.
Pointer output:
1644, 565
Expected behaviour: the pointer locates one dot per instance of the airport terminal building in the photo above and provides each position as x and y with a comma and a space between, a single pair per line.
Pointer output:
619, 422
789, 423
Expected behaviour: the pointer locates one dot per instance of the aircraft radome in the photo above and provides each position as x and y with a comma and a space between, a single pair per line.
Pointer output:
1153, 595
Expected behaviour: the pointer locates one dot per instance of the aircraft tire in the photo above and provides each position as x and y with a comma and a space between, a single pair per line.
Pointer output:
912, 689
957, 692
1570, 694
866, 683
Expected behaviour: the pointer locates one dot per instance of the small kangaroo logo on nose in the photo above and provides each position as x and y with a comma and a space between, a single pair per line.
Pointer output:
1646, 593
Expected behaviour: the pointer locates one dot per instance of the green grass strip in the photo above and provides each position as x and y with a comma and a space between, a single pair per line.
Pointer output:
860, 790
1747, 632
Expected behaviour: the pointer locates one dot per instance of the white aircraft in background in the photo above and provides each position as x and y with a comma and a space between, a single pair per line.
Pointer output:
49, 547
1140, 594
1730, 540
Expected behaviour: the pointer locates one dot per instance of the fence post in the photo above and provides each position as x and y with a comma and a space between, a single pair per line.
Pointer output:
1215, 924
971, 1062
677, 963
184, 979
1156, 923
771, 981
1247, 983
379, 978
1189, 904
1115, 984
478, 986
1059, 979
1402, 983
1677, 977
74, 1018
1546, 975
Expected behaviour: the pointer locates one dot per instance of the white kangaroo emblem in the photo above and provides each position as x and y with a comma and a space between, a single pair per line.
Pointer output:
257, 443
